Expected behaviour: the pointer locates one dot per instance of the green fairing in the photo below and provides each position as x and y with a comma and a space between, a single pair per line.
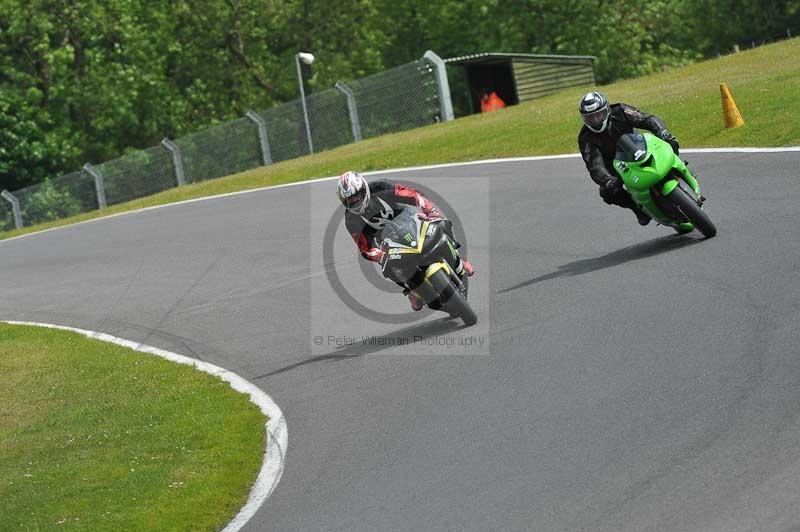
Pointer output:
669, 186
653, 169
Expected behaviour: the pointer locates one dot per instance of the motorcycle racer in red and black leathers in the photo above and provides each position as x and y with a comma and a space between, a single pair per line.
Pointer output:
603, 125
370, 205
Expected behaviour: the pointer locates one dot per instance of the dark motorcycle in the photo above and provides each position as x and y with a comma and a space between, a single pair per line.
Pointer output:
422, 255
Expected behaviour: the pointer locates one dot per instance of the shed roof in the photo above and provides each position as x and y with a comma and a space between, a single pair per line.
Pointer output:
499, 57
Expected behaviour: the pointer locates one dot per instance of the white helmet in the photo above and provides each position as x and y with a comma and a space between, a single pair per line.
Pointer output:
594, 111
353, 191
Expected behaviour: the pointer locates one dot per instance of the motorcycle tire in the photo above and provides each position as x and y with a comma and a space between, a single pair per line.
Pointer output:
689, 207
458, 305
454, 302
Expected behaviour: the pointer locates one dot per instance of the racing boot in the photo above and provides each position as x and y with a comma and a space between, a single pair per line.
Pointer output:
416, 303
642, 217
465, 268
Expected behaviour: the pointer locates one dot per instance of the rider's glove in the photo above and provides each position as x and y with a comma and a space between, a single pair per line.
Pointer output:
377, 255
613, 186
430, 217
669, 137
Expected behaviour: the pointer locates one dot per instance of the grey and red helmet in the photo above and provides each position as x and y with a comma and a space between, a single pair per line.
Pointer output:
353, 191
594, 111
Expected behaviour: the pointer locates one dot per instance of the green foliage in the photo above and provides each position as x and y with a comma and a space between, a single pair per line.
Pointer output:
29, 148
629, 37
88, 81
714, 26
48, 203
765, 82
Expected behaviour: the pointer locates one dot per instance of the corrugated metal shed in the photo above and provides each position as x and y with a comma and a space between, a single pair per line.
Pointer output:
532, 75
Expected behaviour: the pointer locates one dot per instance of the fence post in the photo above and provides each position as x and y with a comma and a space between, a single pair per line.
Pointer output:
14, 206
351, 106
99, 185
177, 162
445, 103
266, 156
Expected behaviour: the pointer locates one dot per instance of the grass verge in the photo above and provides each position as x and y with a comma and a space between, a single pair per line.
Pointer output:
765, 82
95, 436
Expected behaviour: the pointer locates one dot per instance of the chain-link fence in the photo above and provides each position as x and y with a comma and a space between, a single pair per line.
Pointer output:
328, 119
221, 150
61, 197
6, 216
402, 98
411, 95
137, 174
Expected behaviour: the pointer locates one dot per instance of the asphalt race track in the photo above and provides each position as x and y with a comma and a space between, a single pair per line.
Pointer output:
630, 379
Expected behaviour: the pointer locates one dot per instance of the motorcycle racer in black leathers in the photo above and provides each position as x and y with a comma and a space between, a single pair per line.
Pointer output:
603, 125
370, 205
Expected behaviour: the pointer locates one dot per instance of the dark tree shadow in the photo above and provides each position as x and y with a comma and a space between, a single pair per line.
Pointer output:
380, 343
639, 251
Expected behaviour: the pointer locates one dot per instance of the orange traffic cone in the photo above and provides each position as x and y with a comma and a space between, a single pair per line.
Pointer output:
730, 113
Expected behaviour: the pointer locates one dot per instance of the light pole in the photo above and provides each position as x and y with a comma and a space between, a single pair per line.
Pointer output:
306, 58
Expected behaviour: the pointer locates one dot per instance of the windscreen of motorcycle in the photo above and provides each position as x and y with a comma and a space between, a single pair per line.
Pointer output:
631, 148
400, 233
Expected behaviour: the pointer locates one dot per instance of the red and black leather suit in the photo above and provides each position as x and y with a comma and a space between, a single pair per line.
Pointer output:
387, 198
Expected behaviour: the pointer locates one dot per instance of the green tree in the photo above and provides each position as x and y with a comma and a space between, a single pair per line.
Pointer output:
86, 81
90, 80
715, 26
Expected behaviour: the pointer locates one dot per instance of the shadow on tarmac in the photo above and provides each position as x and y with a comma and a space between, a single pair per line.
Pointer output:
378, 343
642, 250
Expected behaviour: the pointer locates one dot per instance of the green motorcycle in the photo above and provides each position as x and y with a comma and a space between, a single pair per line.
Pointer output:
661, 184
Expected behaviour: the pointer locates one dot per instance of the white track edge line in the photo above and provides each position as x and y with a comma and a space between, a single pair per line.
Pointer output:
392, 171
277, 433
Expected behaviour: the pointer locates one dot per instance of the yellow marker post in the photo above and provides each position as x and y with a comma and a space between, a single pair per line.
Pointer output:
730, 112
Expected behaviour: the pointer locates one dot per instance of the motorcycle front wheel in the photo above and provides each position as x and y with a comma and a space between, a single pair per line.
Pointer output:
453, 301
689, 207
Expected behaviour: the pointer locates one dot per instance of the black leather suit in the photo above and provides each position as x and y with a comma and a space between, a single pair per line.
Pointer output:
598, 149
